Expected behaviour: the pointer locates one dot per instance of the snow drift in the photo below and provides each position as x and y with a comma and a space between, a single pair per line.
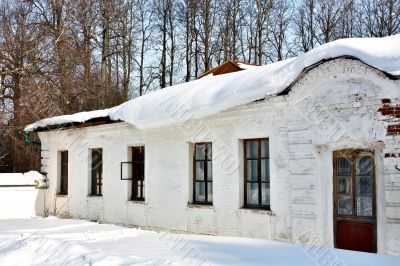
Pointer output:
15, 179
213, 94
52, 241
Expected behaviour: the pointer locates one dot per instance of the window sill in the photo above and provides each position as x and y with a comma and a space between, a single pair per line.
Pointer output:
262, 211
95, 196
138, 202
61, 195
200, 206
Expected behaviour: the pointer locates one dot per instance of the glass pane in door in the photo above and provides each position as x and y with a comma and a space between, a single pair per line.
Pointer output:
344, 185
344, 166
345, 205
364, 166
364, 186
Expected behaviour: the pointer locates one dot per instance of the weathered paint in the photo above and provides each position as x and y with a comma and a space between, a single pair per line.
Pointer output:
334, 106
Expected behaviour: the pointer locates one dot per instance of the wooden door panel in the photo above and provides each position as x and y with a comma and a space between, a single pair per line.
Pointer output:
355, 236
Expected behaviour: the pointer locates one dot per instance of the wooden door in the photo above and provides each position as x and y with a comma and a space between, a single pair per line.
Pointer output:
354, 200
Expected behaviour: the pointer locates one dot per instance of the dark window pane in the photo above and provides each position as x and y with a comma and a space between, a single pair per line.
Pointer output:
199, 170
138, 176
200, 192
265, 148
64, 173
200, 151
209, 192
345, 205
252, 170
138, 154
203, 173
364, 166
265, 170
252, 193
345, 185
209, 170
257, 172
265, 194
252, 149
209, 151
140, 171
344, 166
96, 159
97, 171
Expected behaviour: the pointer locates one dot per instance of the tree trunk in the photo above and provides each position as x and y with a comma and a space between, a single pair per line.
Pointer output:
105, 53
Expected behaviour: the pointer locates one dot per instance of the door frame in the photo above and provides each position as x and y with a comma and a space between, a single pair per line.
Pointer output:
374, 219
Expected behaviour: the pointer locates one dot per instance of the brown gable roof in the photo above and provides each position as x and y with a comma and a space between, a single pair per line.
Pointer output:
227, 67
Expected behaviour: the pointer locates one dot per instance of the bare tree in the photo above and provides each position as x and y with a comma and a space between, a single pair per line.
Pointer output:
305, 26
281, 17
380, 17
19, 40
328, 17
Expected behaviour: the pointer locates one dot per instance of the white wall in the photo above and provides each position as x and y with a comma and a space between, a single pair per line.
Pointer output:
334, 106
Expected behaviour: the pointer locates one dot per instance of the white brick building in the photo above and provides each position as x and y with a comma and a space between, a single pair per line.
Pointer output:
334, 159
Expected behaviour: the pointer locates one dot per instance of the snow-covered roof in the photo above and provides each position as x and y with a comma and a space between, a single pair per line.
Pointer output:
67, 119
212, 94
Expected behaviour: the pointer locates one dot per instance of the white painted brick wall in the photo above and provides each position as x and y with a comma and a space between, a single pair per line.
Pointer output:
342, 99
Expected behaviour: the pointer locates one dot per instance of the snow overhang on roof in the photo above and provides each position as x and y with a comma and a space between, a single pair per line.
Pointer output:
213, 94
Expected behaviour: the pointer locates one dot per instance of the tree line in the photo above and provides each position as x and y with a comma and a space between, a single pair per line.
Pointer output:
65, 56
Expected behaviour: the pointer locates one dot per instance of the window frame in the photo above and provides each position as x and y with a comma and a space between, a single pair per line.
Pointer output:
93, 178
259, 181
134, 187
205, 180
63, 177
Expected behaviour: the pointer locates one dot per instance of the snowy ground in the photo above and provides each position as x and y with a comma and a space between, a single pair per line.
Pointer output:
53, 241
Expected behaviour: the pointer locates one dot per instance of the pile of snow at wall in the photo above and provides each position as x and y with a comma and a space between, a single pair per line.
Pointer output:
18, 196
28, 178
213, 94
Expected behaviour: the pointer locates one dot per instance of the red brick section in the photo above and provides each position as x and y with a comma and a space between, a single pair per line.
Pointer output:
393, 129
393, 155
392, 111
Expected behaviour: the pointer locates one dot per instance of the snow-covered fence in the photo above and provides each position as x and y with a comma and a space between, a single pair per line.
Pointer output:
18, 196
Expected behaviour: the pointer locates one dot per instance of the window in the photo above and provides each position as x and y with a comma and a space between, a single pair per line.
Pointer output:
63, 173
256, 173
97, 172
137, 173
202, 173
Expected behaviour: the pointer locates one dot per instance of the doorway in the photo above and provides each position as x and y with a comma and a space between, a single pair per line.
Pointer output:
354, 197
